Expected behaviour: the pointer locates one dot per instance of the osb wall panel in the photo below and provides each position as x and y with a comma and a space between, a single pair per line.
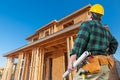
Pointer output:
58, 66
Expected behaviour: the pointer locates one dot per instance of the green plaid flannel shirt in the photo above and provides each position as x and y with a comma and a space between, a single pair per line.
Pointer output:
93, 36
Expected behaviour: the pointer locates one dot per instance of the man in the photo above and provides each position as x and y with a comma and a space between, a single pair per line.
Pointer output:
95, 38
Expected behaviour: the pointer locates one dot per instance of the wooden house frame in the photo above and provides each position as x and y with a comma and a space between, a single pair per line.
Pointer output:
46, 55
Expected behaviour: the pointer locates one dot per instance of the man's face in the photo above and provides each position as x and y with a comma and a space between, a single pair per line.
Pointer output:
89, 16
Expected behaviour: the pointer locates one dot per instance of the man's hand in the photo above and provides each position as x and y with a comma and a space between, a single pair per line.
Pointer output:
70, 64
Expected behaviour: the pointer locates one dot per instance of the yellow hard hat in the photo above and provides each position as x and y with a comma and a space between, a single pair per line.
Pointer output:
97, 8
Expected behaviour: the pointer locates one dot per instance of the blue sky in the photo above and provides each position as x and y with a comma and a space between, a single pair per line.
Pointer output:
21, 18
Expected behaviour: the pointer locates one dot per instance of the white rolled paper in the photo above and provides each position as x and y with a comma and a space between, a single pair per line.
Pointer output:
75, 64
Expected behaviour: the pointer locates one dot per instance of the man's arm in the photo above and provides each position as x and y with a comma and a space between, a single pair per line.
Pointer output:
79, 44
113, 45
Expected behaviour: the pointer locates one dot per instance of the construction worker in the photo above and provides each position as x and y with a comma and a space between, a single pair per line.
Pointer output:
95, 38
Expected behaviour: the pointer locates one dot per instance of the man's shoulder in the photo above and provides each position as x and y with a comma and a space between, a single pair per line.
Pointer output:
87, 23
92, 22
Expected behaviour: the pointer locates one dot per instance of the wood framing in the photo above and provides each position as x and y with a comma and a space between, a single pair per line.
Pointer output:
8, 69
46, 55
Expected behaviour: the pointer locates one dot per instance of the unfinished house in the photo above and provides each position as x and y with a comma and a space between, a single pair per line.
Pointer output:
46, 55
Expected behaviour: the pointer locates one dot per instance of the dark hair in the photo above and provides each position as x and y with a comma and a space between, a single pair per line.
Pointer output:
96, 16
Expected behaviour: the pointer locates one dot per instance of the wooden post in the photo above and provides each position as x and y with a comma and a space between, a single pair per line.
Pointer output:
25, 67
49, 31
20, 68
72, 42
5, 70
52, 29
34, 71
68, 45
63, 63
68, 50
10, 69
36, 64
31, 66
47, 71
42, 63
39, 63
55, 29
71, 46
19, 65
